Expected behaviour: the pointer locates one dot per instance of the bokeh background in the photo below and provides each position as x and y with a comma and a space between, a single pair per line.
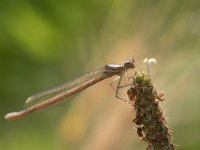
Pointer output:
46, 43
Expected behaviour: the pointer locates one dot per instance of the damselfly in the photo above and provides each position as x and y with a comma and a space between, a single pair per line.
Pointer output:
64, 91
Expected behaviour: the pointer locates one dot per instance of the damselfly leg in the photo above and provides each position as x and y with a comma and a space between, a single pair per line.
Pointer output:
121, 84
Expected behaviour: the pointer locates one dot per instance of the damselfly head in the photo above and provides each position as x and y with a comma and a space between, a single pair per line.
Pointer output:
129, 63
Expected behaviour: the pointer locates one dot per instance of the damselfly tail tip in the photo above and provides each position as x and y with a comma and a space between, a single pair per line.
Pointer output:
12, 116
28, 100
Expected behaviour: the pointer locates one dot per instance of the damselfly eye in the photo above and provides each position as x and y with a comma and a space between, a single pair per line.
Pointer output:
129, 63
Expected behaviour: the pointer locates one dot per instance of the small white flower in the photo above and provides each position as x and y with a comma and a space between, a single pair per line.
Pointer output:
145, 60
152, 61
149, 61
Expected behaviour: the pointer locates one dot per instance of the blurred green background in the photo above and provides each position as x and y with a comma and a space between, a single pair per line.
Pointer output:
46, 43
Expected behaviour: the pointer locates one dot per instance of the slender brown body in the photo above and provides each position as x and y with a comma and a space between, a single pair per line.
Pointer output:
62, 92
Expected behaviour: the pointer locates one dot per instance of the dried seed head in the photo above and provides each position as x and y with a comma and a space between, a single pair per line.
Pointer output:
149, 118
139, 132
